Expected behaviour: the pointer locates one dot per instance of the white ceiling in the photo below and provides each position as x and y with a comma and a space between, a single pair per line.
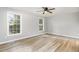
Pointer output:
58, 10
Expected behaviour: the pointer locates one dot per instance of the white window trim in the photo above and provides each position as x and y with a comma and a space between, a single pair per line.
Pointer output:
8, 23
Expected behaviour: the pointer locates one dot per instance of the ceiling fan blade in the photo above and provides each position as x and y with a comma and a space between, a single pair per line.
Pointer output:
49, 11
52, 9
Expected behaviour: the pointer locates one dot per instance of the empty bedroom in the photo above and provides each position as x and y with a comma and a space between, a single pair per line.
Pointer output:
39, 29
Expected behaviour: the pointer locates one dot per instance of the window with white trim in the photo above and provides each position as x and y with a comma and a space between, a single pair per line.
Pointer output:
14, 23
41, 24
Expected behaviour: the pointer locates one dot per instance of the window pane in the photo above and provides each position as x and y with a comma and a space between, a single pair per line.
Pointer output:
40, 21
40, 27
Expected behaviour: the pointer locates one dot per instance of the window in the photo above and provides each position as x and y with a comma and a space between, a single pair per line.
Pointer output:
41, 24
14, 23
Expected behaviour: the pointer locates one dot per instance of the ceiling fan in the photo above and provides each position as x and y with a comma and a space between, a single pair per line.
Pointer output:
47, 9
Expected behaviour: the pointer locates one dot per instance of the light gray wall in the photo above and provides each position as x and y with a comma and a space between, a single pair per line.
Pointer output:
60, 24
29, 25
64, 24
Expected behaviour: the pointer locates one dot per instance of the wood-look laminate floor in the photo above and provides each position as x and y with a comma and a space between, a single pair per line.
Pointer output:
42, 43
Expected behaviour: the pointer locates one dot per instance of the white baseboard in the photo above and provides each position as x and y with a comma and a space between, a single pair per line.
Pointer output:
35, 35
19, 39
67, 36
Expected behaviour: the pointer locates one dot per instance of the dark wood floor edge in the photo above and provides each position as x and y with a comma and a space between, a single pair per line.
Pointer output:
62, 36
10, 41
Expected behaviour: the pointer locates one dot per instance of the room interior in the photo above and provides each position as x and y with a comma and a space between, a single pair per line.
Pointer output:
39, 29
